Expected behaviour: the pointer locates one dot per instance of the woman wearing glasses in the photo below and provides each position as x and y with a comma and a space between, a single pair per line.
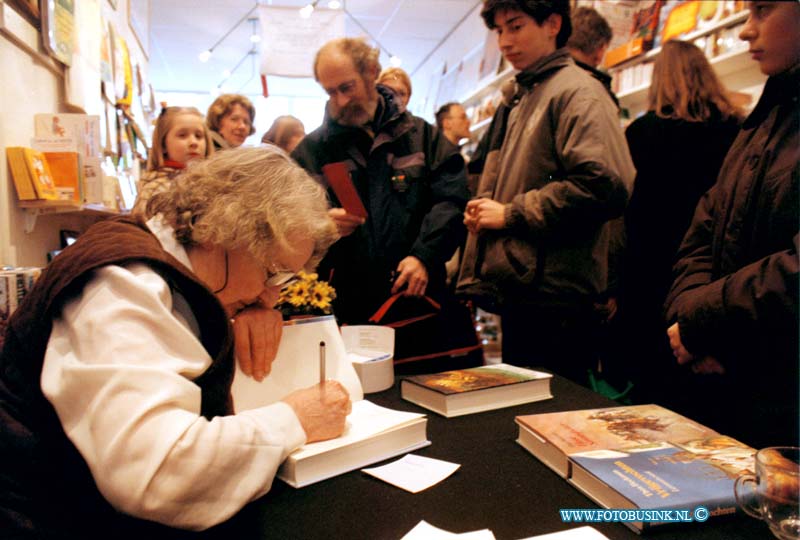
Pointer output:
115, 409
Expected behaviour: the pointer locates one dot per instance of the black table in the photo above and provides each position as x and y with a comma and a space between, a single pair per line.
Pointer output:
500, 486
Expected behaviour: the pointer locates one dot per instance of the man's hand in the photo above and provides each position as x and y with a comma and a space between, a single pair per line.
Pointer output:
321, 409
704, 365
484, 214
412, 272
257, 331
345, 223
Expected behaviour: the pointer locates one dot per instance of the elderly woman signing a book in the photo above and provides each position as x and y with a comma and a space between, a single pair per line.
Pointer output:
115, 412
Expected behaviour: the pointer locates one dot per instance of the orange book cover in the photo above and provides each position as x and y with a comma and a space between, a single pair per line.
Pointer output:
66, 173
338, 178
15, 155
40, 174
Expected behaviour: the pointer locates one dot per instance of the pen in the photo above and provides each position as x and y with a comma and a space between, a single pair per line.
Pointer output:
321, 362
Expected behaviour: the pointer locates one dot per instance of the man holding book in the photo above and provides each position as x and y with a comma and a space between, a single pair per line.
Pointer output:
410, 178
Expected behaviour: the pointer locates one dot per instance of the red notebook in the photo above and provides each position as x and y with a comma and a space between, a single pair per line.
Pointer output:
338, 178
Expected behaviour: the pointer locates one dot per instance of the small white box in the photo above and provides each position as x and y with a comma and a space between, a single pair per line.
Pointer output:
371, 351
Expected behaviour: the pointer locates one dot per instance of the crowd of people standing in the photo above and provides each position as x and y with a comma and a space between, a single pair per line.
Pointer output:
115, 371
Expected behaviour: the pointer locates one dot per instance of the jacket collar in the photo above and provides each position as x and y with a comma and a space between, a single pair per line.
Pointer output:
539, 71
780, 89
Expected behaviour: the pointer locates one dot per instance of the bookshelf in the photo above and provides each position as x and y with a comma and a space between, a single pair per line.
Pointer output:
36, 208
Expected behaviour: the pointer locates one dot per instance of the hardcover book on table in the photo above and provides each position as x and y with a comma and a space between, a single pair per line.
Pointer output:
639, 457
467, 391
553, 437
664, 476
372, 433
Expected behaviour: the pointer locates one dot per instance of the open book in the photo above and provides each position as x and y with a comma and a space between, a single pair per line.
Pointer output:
372, 433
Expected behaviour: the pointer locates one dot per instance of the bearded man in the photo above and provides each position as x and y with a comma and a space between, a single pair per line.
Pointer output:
410, 178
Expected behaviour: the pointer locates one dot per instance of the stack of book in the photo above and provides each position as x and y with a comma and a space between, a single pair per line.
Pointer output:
640, 457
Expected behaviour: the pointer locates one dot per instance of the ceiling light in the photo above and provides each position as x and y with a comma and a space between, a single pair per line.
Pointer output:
334, 4
255, 38
205, 55
395, 61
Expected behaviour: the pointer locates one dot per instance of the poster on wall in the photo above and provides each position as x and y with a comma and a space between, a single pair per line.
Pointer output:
58, 29
490, 62
139, 19
83, 76
107, 62
123, 76
470, 73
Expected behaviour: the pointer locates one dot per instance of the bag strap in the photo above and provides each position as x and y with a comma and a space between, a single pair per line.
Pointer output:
381, 313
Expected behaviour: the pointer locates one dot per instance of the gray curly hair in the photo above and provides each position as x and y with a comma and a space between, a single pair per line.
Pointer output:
255, 199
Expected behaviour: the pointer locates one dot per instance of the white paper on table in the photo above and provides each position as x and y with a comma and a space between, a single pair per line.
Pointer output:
425, 531
579, 533
414, 473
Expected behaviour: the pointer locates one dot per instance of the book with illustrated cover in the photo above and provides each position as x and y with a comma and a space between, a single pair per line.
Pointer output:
639, 457
665, 476
553, 437
67, 171
467, 391
30, 170
372, 433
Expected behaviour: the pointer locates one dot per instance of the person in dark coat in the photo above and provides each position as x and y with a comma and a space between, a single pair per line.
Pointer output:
410, 178
733, 307
677, 148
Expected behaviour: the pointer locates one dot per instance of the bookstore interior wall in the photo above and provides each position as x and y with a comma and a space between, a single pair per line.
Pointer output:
42, 84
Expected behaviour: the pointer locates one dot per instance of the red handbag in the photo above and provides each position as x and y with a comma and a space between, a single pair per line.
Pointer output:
430, 336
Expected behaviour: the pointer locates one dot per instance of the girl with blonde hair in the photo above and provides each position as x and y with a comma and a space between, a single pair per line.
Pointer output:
180, 136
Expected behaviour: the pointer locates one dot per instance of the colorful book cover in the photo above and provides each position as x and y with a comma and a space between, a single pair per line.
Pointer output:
479, 378
40, 174
673, 476
613, 428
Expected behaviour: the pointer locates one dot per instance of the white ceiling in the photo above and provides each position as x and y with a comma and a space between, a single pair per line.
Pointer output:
181, 29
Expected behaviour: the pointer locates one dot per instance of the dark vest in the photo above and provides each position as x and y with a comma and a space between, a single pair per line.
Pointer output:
46, 489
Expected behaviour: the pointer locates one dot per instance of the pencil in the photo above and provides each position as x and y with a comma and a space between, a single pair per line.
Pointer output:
321, 362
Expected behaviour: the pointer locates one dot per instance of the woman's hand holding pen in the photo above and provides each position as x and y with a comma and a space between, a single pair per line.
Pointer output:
322, 409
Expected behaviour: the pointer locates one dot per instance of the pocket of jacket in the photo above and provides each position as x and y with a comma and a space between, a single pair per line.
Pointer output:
510, 261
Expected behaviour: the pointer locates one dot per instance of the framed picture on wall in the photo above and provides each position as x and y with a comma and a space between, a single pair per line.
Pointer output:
29, 9
139, 20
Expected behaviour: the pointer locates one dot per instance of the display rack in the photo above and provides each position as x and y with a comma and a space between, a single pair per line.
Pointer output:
36, 208
734, 68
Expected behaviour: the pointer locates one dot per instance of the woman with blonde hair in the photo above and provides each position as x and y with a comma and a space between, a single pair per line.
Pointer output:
116, 370
399, 82
230, 120
677, 148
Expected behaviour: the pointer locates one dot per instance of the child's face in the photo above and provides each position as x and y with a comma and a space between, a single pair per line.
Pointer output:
186, 140
772, 31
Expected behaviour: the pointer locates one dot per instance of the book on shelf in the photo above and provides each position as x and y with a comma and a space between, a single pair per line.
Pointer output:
639, 457
30, 170
67, 171
466, 391
372, 433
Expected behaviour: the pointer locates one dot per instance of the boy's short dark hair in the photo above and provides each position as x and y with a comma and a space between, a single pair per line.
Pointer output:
444, 112
538, 9
590, 31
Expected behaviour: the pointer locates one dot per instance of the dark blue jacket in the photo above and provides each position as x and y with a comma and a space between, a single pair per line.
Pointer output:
413, 184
